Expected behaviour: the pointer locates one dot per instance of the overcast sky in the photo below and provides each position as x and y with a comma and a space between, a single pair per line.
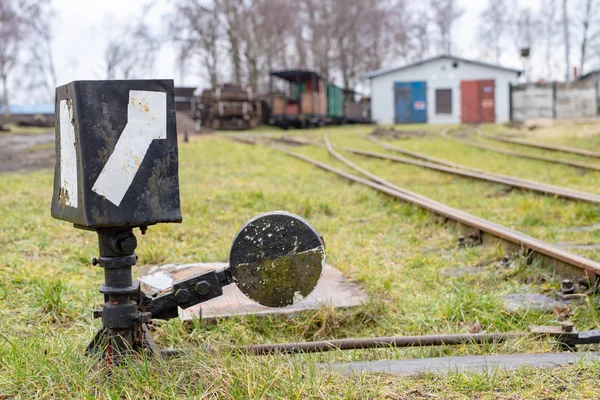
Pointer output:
82, 28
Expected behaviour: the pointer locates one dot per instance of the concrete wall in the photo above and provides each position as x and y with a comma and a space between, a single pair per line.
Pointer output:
572, 100
576, 100
532, 101
440, 74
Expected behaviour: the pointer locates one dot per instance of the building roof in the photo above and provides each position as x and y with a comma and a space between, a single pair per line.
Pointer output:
385, 71
182, 91
295, 75
593, 73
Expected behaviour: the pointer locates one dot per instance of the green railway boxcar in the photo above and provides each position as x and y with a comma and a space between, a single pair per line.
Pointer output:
335, 103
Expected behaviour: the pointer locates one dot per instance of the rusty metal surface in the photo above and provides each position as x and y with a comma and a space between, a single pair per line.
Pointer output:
380, 342
332, 290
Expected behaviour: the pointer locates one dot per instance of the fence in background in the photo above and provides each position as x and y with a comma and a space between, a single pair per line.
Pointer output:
564, 100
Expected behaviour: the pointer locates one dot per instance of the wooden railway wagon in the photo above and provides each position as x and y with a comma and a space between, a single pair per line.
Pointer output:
230, 106
297, 98
301, 99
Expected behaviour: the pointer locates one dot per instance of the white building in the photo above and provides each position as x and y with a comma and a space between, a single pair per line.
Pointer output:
443, 89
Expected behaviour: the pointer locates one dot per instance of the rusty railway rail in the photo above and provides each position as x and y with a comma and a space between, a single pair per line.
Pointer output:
580, 264
482, 146
544, 146
420, 156
488, 177
379, 343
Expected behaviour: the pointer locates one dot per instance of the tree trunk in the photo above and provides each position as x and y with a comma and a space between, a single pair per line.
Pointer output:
586, 26
235, 58
567, 44
5, 101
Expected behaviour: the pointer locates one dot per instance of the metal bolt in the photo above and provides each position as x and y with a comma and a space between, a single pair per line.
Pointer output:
94, 261
567, 287
567, 326
203, 288
125, 243
182, 295
461, 241
97, 314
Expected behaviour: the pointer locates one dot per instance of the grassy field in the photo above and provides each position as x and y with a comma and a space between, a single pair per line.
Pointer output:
419, 281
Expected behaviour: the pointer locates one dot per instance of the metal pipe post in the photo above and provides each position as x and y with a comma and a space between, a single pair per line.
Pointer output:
120, 311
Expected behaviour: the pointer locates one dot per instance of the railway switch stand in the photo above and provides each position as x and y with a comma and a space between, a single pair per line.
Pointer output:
117, 170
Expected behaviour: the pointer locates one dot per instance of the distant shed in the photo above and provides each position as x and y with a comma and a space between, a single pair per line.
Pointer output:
443, 90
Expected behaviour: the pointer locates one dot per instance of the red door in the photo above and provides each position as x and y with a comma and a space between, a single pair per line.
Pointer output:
487, 103
477, 101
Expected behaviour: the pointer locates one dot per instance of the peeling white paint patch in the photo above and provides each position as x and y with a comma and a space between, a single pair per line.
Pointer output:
68, 156
146, 121
297, 297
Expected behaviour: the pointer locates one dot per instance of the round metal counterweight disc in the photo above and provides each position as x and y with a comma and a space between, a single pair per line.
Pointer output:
277, 259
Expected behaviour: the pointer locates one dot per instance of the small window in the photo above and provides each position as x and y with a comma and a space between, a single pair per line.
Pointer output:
443, 101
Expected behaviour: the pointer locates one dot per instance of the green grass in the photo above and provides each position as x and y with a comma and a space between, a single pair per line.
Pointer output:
27, 130
402, 256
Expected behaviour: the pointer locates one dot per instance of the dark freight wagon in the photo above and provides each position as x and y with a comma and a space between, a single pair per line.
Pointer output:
230, 106
356, 112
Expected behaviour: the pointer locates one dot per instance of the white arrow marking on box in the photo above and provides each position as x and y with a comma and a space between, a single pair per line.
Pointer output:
146, 121
68, 155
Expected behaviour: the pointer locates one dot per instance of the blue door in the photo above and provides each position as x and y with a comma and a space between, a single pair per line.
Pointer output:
410, 102
419, 102
402, 101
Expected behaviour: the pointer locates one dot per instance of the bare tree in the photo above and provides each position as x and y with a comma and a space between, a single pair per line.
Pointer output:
551, 27
40, 67
445, 14
492, 27
17, 17
588, 20
387, 34
317, 16
565, 15
196, 29
419, 34
131, 52
232, 14
525, 27
265, 30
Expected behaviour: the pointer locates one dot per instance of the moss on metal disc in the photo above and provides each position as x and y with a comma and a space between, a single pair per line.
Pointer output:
282, 281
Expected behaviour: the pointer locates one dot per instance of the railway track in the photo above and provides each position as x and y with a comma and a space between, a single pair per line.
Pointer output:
452, 168
565, 336
489, 177
552, 160
544, 146
570, 264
